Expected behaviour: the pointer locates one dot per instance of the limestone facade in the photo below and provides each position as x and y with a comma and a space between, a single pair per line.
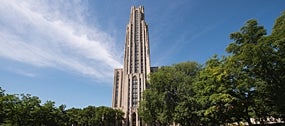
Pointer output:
131, 80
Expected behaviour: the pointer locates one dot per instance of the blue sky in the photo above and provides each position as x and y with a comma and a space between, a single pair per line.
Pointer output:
65, 50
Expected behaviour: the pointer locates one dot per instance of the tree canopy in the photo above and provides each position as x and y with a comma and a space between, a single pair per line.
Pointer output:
27, 110
248, 83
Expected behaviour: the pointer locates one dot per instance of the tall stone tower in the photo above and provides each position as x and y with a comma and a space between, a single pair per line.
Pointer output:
130, 81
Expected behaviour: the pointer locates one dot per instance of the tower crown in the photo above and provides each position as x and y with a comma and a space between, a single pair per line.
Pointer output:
137, 46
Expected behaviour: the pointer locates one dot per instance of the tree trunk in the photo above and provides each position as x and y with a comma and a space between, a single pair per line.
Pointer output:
248, 117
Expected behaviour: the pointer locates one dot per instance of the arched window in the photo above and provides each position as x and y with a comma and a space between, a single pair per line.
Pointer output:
134, 119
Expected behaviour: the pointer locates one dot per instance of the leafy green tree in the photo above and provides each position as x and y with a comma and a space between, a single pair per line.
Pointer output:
73, 116
186, 109
20, 110
9, 108
166, 100
163, 85
49, 114
119, 117
271, 66
2, 102
243, 63
26, 110
106, 116
259, 62
88, 116
213, 92
149, 107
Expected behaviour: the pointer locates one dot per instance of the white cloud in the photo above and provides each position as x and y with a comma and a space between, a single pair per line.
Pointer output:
23, 72
55, 35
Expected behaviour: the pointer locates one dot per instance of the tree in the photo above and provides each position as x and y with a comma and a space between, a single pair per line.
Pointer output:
19, 111
214, 94
2, 101
169, 90
242, 64
88, 116
162, 91
9, 108
259, 61
106, 116
25, 109
274, 73
186, 109
73, 116
148, 109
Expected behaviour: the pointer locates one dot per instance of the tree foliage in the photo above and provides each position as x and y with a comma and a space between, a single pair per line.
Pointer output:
248, 83
27, 110
164, 102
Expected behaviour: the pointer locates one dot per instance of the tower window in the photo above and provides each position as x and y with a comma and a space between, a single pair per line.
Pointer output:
134, 91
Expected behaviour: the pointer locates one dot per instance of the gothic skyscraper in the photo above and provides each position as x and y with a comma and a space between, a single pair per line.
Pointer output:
131, 81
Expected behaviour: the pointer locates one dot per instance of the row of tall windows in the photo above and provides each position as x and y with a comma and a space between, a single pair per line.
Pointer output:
136, 34
135, 91
117, 88
137, 40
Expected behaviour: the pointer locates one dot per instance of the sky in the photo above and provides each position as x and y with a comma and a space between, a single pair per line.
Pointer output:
66, 50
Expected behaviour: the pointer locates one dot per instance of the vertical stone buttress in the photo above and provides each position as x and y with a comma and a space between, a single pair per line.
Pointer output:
130, 82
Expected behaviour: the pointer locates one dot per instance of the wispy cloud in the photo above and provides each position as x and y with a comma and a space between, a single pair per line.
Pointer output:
23, 72
55, 35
